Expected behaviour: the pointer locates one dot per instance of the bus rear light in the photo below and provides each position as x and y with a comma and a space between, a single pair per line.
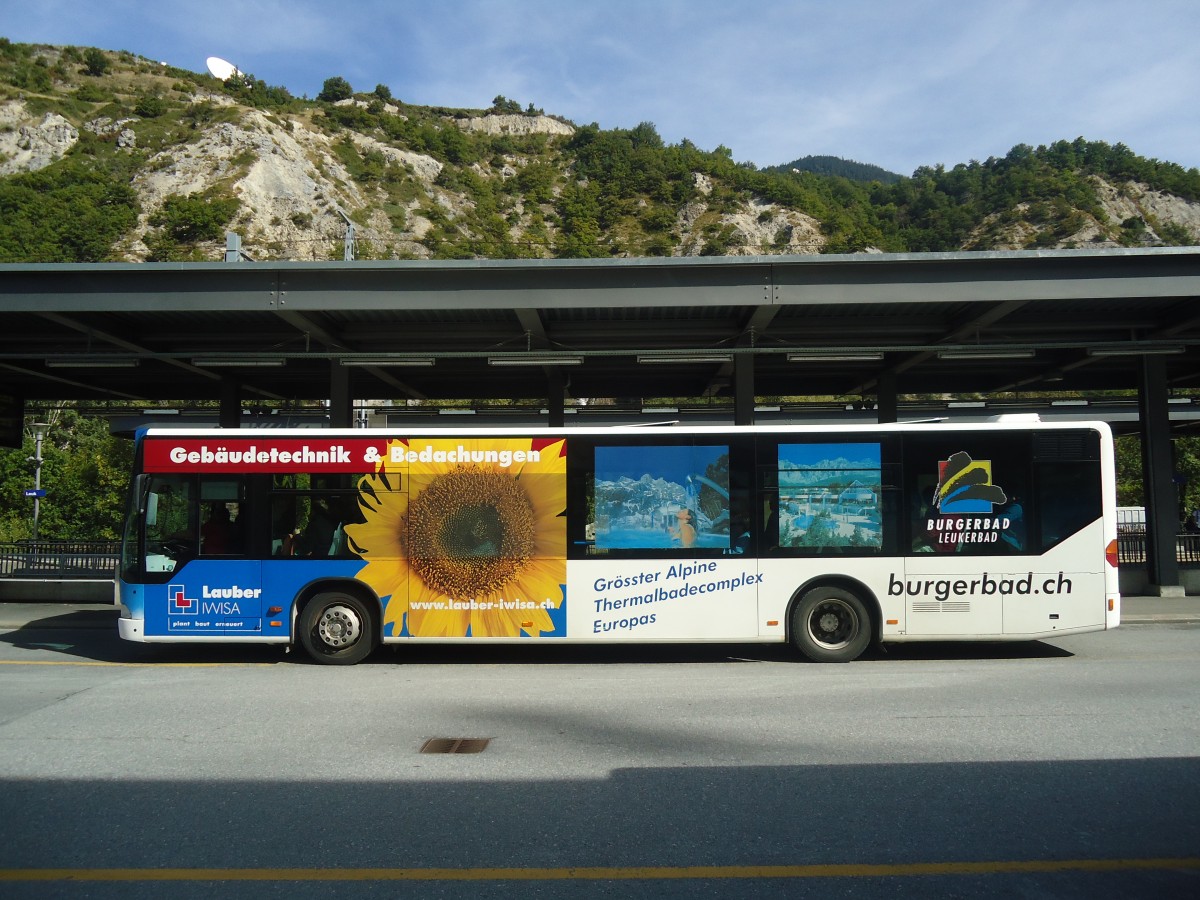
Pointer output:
1112, 604
1110, 553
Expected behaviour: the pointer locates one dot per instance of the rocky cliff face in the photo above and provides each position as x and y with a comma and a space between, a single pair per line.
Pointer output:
29, 142
1130, 202
293, 186
299, 175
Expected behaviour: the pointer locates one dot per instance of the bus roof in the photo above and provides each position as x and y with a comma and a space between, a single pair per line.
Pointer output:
1005, 424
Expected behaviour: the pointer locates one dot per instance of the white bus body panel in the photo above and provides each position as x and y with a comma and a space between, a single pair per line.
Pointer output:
713, 599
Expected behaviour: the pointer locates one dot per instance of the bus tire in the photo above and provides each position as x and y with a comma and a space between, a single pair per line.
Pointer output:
831, 624
337, 629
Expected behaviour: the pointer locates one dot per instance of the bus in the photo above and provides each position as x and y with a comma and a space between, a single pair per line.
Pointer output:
341, 540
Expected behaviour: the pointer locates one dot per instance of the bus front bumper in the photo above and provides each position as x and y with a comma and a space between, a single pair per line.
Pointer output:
131, 629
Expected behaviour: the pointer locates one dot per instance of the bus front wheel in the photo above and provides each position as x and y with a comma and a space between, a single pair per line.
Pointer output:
831, 625
337, 629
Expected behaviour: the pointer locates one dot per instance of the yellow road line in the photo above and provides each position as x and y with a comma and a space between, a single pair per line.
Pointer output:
128, 665
607, 873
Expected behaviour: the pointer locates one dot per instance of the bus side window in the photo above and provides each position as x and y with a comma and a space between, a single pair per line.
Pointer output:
771, 521
673, 496
222, 525
171, 537
313, 524
968, 495
216, 532
326, 534
1068, 499
920, 518
829, 498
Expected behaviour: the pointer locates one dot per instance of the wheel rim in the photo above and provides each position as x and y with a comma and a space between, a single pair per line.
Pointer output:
338, 627
833, 624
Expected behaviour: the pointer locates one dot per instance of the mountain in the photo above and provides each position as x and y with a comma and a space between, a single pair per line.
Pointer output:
835, 165
111, 156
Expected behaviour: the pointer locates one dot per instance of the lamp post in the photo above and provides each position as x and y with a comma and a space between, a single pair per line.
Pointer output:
39, 430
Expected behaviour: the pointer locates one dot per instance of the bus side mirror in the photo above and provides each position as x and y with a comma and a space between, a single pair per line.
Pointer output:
147, 506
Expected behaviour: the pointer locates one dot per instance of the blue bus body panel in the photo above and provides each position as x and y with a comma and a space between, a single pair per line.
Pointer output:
284, 579
229, 596
207, 597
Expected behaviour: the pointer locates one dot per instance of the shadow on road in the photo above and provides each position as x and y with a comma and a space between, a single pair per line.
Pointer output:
92, 635
885, 815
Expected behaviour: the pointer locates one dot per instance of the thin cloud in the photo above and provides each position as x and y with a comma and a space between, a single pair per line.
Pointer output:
899, 84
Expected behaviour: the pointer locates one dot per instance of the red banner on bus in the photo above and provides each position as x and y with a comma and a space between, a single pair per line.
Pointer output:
213, 455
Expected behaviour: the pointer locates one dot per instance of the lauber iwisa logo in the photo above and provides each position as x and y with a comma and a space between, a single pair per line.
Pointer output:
181, 604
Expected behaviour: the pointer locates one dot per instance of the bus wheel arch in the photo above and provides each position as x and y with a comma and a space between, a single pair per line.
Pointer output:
337, 621
833, 619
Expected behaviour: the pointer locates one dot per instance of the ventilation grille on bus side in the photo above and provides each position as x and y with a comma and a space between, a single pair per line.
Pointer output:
934, 606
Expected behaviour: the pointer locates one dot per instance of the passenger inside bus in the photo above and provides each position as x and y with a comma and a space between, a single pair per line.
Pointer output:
325, 534
771, 522
218, 534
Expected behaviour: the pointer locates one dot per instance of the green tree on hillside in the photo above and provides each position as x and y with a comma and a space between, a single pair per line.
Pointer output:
66, 212
335, 89
501, 105
184, 221
95, 63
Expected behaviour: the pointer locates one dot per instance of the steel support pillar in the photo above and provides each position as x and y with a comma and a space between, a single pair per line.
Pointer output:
341, 404
12, 420
743, 389
886, 404
556, 398
1162, 496
230, 415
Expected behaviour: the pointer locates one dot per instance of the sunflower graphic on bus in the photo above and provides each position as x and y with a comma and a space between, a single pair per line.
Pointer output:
466, 538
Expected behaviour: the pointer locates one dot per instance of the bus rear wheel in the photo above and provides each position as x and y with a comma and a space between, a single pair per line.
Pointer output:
831, 625
337, 629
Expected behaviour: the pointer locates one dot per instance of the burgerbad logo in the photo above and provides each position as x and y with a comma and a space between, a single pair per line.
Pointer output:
965, 486
964, 499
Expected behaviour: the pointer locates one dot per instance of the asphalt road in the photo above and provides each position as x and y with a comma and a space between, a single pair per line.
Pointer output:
1050, 769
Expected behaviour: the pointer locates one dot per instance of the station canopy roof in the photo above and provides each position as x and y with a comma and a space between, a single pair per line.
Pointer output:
621, 328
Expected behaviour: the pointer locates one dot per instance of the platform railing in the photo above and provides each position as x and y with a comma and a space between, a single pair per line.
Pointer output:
59, 559
1131, 547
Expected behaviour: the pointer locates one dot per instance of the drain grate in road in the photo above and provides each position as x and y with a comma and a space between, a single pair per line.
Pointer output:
455, 745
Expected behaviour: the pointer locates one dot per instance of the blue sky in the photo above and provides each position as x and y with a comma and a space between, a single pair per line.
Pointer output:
898, 83
810, 456
673, 464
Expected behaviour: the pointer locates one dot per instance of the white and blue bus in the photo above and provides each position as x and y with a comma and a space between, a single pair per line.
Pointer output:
827, 538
